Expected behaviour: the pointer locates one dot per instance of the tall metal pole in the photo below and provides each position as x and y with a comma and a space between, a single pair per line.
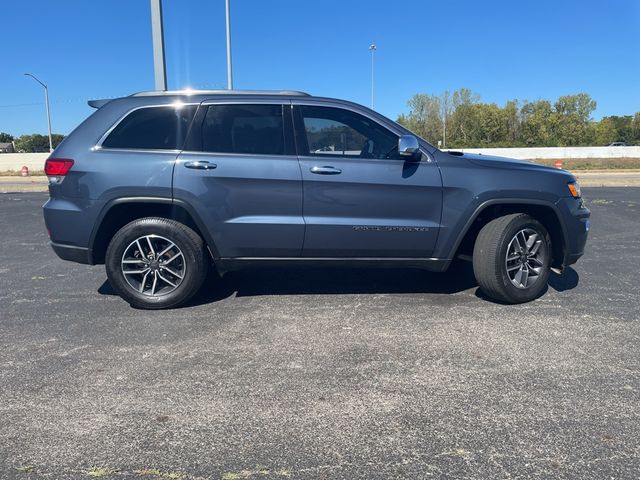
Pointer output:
157, 33
46, 101
229, 67
373, 49
444, 131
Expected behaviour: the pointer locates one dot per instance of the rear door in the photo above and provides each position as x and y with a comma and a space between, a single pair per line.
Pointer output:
240, 173
360, 198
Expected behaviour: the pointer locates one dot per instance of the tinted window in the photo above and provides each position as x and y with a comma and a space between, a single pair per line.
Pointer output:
152, 128
256, 129
334, 131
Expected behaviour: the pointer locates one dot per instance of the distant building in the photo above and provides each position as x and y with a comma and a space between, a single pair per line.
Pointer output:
7, 147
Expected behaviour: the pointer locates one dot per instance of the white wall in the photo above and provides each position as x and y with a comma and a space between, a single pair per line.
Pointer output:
556, 153
15, 161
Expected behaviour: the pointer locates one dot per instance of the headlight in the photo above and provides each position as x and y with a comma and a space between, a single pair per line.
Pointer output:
574, 188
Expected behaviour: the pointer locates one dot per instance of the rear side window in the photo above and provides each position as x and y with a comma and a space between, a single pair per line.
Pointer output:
244, 129
157, 128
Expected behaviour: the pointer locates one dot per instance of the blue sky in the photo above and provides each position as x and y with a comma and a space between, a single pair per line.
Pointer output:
500, 49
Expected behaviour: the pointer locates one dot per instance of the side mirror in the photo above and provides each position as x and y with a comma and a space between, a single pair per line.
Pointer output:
408, 147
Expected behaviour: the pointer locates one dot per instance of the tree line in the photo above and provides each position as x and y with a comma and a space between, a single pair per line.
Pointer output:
460, 120
33, 142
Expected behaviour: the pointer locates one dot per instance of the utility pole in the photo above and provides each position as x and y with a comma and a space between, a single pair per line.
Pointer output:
444, 131
373, 49
445, 107
46, 101
157, 33
229, 68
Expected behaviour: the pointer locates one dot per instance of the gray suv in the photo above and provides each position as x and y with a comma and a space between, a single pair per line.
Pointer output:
159, 186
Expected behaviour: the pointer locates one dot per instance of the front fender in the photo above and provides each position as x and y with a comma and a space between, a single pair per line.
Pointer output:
459, 217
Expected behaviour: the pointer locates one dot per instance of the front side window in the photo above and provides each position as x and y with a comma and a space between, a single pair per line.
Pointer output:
334, 131
155, 128
244, 129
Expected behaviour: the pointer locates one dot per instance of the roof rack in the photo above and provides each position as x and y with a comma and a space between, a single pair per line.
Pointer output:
157, 93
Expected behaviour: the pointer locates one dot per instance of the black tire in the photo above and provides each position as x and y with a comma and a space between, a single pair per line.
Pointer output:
490, 259
193, 262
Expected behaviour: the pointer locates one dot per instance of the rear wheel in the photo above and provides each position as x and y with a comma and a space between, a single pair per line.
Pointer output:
512, 258
156, 263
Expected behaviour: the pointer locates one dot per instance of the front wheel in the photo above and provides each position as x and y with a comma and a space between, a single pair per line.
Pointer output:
156, 263
512, 258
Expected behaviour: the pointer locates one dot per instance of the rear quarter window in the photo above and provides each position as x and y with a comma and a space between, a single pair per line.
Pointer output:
152, 128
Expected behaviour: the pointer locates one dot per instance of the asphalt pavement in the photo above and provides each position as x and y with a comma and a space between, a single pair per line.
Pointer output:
275, 373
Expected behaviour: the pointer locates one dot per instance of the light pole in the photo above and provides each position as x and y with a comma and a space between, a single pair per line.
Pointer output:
373, 49
157, 37
46, 101
229, 70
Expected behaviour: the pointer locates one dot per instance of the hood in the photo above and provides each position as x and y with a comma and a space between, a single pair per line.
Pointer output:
510, 163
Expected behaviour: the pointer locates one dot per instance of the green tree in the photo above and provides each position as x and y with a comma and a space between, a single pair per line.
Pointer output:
462, 120
478, 124
492, 124
37, 143
511, 118
573, 114
424, 117
464, 96
433, 117
635, 129
464, 123
5, 137
605, 131
623, 127
537, 123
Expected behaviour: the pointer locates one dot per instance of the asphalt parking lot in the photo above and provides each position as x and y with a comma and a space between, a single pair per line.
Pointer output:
321, 373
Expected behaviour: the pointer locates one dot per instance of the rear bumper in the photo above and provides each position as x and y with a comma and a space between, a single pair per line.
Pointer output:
72, 253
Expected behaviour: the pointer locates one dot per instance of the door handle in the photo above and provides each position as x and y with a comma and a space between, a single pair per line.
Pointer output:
325, 170
201, 165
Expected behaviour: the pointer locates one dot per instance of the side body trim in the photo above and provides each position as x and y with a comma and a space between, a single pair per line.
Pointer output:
431, 264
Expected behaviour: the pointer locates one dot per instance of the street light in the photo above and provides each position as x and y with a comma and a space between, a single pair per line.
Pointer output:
157, 37
229, 71
373, 49
46, 99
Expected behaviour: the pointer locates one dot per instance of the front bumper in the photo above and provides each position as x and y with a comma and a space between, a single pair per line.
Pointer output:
577, 224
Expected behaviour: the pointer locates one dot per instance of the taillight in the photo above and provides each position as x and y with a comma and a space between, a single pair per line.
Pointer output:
56, 169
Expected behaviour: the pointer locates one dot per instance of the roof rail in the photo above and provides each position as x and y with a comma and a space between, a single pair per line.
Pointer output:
154, 93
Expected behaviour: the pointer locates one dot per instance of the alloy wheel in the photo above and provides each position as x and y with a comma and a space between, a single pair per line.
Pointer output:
153, 265
525, 259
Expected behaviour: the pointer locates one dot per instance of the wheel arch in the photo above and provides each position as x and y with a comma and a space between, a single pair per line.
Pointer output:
545, 212
118, 212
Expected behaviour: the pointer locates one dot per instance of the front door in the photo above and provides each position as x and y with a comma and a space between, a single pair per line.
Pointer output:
360, 198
